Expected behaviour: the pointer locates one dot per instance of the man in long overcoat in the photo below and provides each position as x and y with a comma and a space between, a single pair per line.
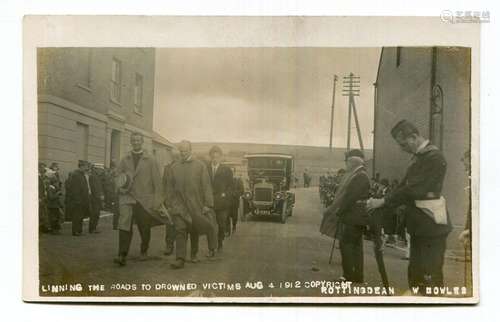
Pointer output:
142, 197
78, 193
189, 200
351, 216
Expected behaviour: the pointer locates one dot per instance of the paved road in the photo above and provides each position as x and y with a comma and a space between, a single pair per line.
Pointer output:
261, 252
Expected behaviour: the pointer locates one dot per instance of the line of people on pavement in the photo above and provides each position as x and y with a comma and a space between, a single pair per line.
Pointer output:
86, 191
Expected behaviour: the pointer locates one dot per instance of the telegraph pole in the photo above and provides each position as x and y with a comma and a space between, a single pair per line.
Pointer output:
351, 89
333, 107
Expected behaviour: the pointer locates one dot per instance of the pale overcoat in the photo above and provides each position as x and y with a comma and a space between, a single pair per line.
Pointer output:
145, 187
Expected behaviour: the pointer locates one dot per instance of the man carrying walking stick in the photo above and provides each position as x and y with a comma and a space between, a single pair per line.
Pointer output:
346, 217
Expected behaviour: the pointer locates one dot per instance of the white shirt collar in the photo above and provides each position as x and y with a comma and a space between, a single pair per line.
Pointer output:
357, 168
422, 146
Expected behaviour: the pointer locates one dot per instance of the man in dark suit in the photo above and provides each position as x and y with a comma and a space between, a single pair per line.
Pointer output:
96, 182
351, 215
79, 196
236, 193
422, 183
221, 178
43, 220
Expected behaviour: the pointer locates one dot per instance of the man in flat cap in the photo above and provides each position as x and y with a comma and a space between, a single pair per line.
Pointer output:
221, 178
78, 194
350, 215
420, 191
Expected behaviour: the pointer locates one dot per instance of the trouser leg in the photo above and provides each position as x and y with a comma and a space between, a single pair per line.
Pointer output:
346, 253
433, 262
54, 214
221, 216
357, 243
415, 269
77, 219
143, 221
95, 211
169, 236
194, 239
180, 238
234, 214
351, 248
116, 214
124, 240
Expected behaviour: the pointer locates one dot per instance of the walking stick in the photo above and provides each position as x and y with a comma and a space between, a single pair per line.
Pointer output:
331, 252
334, 239
375, 226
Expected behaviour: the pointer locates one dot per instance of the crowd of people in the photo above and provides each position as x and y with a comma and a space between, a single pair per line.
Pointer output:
194, 197
85, 192
201, 198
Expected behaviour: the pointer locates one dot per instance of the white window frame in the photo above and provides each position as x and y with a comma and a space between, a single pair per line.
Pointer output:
116, 80
138, 93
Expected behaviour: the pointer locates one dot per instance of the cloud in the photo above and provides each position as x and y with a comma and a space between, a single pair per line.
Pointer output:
260, 95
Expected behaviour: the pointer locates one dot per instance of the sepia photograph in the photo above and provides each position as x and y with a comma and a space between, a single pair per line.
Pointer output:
268, 173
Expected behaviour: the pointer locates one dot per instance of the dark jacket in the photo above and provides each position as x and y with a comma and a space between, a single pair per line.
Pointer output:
96, 186
348, 206
237, 190
423, 181
352, 210
222, 182
78, 191
54, 194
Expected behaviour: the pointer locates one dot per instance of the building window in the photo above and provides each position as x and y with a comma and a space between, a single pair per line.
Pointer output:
138, 93
82, 141
85, 68
436, 135
398, 56
116, 80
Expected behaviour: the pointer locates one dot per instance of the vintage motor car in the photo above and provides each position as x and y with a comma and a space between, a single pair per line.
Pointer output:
269, 179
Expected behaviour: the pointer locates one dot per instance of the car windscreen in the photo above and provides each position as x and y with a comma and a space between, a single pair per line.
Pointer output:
266, 163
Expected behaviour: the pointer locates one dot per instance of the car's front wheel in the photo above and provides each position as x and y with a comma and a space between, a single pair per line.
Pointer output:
284, 212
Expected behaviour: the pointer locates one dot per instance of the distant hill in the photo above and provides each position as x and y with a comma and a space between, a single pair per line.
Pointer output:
317, 160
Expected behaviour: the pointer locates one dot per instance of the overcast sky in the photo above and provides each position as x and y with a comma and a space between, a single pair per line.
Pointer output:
261, 95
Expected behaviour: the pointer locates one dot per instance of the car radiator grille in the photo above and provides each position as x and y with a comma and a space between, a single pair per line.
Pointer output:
263, 194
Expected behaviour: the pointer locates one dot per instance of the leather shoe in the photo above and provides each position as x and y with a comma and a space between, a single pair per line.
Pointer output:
168, 251
121, 260
211, 255
178, 264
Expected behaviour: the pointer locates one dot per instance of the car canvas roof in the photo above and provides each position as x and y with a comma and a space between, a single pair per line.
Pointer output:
268, 155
